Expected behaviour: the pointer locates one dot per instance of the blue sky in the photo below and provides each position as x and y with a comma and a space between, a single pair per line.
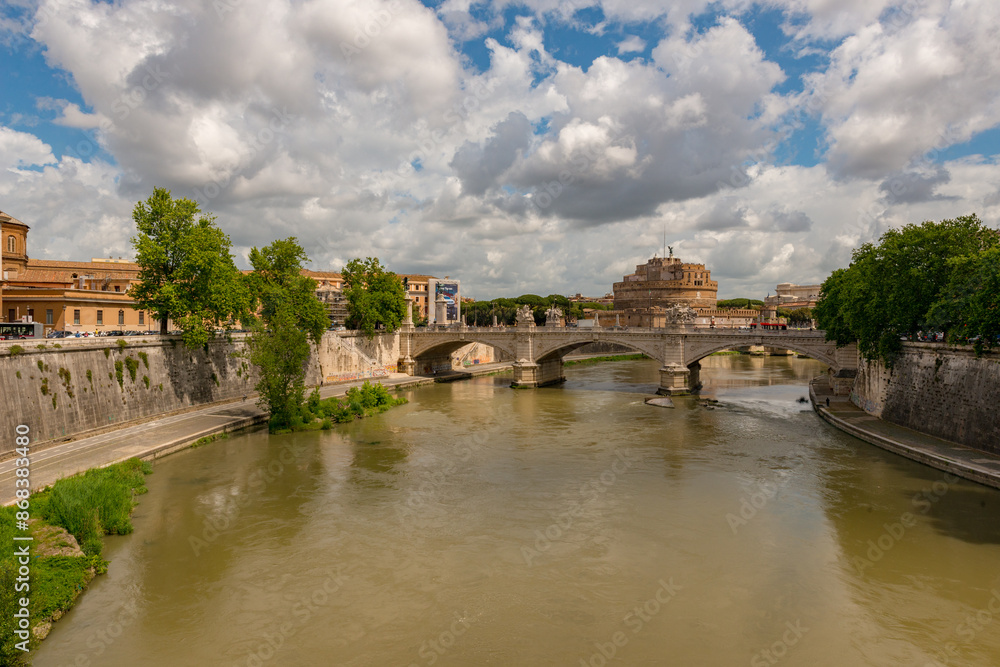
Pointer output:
539, 146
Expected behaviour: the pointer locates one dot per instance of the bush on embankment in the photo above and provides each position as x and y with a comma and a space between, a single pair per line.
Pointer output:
87, 506
359, 402
97, 503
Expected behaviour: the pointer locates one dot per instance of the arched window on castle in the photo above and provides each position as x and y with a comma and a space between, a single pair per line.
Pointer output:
11, 244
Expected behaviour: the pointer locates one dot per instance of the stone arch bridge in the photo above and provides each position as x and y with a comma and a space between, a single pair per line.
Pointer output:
538, 351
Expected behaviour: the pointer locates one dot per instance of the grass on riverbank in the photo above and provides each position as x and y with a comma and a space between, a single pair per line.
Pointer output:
87, 506
359, 402
597, 360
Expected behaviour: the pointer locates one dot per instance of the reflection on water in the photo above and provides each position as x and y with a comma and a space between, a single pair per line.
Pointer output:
563, 526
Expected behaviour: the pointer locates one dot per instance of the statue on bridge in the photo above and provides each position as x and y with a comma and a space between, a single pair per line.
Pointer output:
525, 316
553, 316
681, 314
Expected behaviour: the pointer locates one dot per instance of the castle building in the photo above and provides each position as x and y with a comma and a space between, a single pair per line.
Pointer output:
664, 282
643, 298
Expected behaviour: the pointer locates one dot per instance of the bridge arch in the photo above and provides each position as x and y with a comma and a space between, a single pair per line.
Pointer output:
652, 349
812, 351
423, 349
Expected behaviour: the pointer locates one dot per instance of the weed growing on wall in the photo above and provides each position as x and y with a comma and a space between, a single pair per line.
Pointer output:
132, 364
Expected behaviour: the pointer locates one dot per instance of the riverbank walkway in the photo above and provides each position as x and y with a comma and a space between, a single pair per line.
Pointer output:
959, 460
159, 436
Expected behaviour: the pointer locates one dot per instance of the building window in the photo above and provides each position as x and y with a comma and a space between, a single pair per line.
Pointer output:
118, 288
11, 243
48, 316
121, 318
142, 317
100, 318
76, 317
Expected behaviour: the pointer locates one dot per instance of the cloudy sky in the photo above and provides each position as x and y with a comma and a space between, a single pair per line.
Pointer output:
540, 146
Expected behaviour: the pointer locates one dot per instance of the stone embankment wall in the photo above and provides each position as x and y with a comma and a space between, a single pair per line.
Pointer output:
936, 389
93, 383
352, 356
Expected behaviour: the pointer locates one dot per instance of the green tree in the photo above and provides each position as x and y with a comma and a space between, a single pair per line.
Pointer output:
800, 316
280, 352
831, 309
969, 307
290, 316
888, 291
277, 281
375, 297
186, 271
739, 303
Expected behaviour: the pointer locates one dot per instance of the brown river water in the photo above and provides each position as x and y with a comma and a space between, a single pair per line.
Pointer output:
573, 525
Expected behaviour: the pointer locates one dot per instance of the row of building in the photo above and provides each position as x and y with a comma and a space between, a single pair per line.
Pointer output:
93, 296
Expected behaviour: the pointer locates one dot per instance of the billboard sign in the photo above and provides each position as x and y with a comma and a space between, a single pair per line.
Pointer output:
447, 300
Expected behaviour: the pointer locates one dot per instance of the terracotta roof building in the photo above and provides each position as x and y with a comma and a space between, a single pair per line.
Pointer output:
64, 295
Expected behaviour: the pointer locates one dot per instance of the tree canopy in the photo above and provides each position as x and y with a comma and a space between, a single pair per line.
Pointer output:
375, 297
919, 277
290, 316
796, 315
186, 271
740, 303
277, 283
480, 313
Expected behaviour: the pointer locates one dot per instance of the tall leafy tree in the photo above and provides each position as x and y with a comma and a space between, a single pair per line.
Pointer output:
290, 317
969, 307
889, 290
186, 271
375, 297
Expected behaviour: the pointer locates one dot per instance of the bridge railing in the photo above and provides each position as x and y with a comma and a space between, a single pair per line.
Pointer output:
725, 331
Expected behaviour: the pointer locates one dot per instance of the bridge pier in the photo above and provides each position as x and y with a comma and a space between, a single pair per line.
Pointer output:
674, 380
694, 376
406, 365
540, 374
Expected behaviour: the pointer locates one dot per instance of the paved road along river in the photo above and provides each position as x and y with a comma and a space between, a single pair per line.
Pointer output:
574, 525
